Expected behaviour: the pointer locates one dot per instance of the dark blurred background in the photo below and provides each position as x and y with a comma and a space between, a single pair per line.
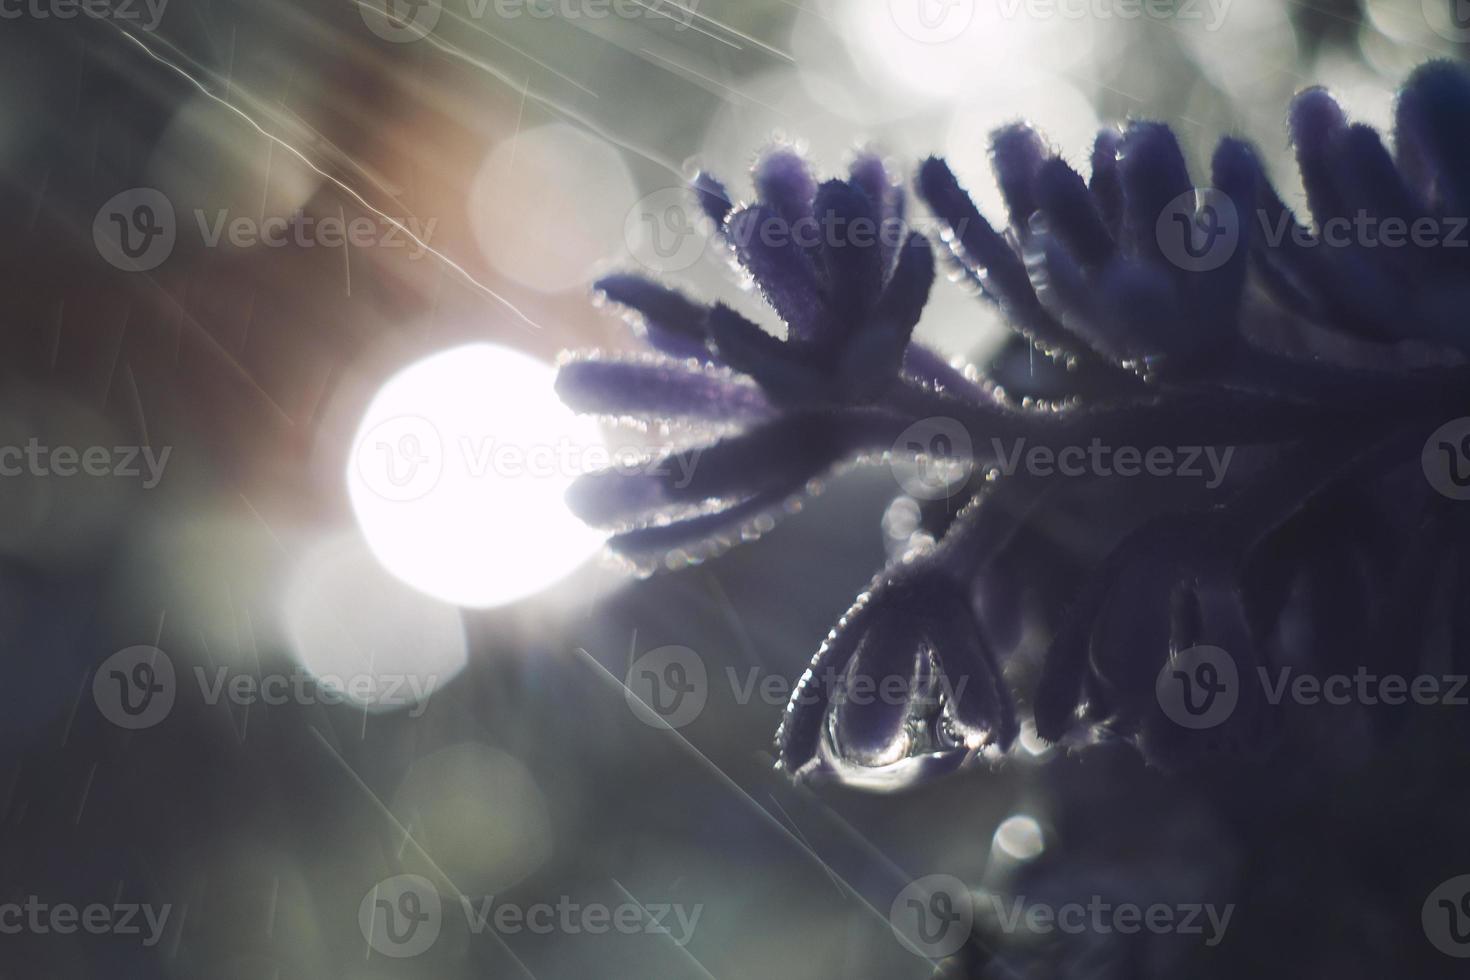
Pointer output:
528, 147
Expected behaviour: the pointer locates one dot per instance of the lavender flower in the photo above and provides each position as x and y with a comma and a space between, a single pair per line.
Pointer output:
1323, 365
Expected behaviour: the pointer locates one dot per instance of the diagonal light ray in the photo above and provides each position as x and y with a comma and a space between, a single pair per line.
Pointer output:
382, 808
703, 970
653, 718
345, 188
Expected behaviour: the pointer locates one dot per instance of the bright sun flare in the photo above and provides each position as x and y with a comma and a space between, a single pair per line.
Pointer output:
458, 473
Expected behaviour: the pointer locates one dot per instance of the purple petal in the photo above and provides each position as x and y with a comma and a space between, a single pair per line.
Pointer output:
1432, 125
787, 450
930, 367
669, 320
1316, 122
1059, 690
1217, 294
1140, 312
1106, 182
908, 291
1071, 213
765, 242
713, 199
1368, 178
1130, 637
789, 374
720, 528
1154, 174
990, 258
981, 700
1016, 153
849, 251
785, 183
875, 353
663, 389
868, 172
611, 498
1213, 615
1068, 297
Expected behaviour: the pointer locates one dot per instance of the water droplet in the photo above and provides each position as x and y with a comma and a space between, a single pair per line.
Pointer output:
1019, 837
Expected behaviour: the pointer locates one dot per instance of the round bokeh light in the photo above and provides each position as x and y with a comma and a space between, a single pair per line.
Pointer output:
458, 475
